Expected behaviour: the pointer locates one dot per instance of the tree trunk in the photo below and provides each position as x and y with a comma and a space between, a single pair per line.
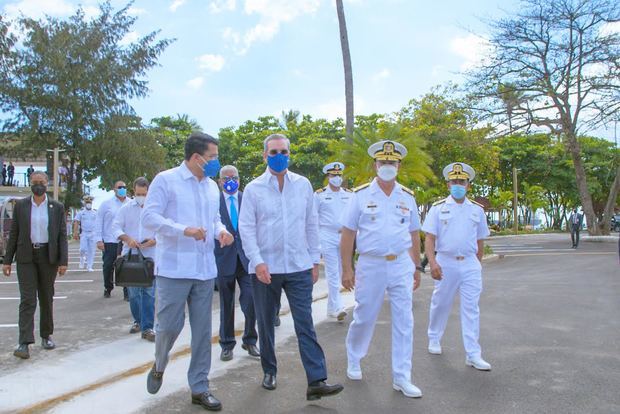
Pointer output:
348, 70
572, 145
611, 203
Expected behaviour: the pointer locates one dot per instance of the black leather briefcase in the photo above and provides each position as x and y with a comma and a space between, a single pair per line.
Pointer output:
134, 270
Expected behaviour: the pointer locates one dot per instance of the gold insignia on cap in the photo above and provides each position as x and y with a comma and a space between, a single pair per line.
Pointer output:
335, 170
388, 152
458, 173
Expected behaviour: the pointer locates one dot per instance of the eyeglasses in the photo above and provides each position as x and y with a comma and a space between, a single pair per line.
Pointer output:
275, 151
234, 177
121, 186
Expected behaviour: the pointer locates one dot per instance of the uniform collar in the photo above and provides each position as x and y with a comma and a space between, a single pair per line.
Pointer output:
329, 189
374, 187
451, 200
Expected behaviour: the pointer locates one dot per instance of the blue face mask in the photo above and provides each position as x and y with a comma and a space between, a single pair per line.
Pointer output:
121, 192
278, 162
458, 191
231, 186
211, 168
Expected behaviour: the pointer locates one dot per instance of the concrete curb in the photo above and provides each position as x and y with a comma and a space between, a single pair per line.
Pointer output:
491, 257
600, 239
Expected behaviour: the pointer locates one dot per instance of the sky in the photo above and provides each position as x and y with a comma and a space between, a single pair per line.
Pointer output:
236, 60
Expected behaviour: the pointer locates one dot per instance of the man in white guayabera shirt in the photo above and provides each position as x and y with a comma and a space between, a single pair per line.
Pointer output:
280, 234
182, 208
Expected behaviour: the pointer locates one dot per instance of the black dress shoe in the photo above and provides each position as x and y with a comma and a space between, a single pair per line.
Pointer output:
22, 351
207, 400
226, 355
47, 343
106, 294
276, 321
269, 382
319, 389
154, 381
252, 349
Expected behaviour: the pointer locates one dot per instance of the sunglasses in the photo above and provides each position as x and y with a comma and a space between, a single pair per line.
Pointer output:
120, 186
275, 151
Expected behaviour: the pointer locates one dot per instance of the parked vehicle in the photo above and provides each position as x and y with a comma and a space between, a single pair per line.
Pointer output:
615, 222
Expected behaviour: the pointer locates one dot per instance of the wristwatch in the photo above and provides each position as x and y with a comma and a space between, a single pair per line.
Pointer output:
420, 268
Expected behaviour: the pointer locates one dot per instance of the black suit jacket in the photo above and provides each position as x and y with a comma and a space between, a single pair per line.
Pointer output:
226, 257
20, 246
579, 219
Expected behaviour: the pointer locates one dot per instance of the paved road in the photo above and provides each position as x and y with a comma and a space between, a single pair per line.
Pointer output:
550, 327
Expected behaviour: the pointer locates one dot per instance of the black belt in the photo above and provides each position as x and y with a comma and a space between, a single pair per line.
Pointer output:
39, 245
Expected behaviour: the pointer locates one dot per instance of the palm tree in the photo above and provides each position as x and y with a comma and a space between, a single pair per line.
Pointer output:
348, 70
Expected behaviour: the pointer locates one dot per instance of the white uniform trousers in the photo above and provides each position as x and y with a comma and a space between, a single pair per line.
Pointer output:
465, 276
333, 265
373, 277
88, 246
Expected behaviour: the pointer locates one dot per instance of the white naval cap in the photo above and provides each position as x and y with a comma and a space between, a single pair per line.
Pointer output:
387, 151
333, 168
459, 171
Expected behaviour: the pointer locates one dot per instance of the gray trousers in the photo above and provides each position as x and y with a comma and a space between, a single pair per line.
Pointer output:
172, 294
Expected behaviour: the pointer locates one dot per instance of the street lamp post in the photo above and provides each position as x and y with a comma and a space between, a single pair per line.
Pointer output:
54, 174
514, 201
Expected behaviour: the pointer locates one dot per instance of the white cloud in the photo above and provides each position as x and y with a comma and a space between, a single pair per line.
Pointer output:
335, 108
272, 14
176, 4
91, 12
196, 83
136, 11
130, 38
39, 8
214, 63
472, 48
218, 6
382, 74
610, 28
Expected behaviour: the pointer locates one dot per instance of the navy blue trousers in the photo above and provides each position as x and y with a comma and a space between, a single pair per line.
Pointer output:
298, 289
226, 285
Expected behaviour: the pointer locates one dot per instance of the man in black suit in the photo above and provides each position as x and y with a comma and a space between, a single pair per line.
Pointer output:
232, 268
575, 222
38, 242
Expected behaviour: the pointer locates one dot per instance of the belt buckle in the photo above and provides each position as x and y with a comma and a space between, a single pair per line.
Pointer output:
391, 257
36, 246
460, 257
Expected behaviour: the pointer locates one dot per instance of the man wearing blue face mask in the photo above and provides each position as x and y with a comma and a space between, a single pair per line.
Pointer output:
232, 269
106, 240
455, 229
280, 233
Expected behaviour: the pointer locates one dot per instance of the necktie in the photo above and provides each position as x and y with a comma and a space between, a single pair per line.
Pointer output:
233, 213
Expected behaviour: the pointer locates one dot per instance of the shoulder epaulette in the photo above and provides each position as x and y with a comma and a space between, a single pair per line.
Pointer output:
347, 190
361, 187
407, 190
477, 203
436, 203
320, 190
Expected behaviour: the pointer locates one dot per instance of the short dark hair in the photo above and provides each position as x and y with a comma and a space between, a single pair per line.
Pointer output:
41, 173
198, 143
141, 182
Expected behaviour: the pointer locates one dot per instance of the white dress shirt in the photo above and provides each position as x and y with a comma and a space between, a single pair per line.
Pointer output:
329, 206
39, 220
457, 227
227, 199
177, 200
128, 220
277, 228
87, 219
105, 217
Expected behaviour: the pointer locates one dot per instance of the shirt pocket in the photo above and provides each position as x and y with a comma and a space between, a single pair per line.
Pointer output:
474, 220
402, 216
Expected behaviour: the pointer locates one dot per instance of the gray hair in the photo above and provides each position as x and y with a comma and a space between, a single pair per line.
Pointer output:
141, 182
39, 172
228, 168
273, 137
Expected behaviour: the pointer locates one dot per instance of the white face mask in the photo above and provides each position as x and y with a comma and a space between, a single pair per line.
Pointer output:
140, 200
89, 206
335, 181
387, 172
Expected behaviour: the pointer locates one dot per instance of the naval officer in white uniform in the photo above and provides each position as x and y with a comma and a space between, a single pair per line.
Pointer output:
330, 202
455, 231
383, 220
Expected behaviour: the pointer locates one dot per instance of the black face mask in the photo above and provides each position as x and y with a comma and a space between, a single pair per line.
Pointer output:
38, 189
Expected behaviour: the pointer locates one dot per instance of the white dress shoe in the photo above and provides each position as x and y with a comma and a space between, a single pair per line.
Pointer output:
354, 372
478, 363
407, 388
90, 269
434, 347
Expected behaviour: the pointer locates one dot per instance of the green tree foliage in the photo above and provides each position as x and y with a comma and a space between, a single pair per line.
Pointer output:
67, 80
171, 134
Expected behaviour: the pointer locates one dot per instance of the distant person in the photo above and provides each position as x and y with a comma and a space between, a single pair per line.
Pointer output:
455, 228
38, 242
575, 222
84, 226
128, 228
232, 269
3, 174
29, 172
106, 241
11, 173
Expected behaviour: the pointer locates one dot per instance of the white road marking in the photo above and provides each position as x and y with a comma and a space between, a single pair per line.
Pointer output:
55, 297
8, 325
